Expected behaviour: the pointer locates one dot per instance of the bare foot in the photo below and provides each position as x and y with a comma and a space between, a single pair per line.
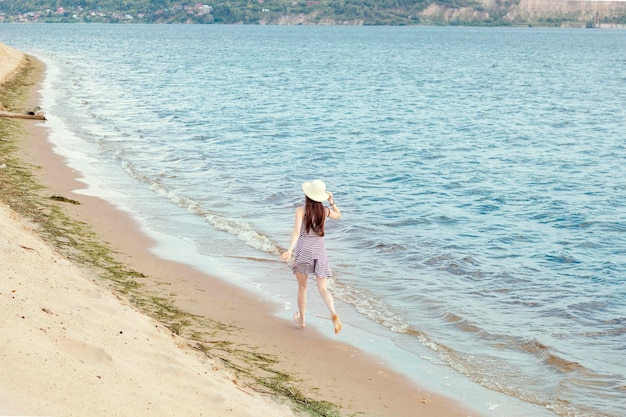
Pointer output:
298, 319
336, 323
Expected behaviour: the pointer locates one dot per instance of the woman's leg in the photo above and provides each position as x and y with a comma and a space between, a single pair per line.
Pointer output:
330, 303
302, 281
326, 295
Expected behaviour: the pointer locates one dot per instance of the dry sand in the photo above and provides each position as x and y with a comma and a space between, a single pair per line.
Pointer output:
72, 346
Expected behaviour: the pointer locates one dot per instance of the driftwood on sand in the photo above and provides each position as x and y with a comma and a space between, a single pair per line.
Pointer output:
29, 115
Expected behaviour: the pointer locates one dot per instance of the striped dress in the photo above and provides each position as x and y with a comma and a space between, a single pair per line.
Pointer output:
310, 254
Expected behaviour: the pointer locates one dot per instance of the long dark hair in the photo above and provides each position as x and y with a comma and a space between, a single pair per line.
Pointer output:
314, 216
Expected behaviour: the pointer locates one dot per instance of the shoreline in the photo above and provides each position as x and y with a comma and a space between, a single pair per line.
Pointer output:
325, 369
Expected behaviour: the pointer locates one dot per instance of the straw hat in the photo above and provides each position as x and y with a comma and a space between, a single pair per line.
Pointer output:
315, 190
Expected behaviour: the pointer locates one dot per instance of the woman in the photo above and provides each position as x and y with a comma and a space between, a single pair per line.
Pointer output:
307, 238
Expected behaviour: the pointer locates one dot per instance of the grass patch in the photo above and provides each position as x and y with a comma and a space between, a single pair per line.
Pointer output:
76, 241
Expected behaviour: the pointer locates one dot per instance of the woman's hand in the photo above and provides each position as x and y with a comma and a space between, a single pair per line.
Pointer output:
285, 255
334, 212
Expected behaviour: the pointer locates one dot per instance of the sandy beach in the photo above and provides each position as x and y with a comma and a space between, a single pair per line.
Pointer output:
166, 339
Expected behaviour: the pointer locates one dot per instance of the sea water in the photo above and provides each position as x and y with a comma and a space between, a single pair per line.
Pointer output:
481, 173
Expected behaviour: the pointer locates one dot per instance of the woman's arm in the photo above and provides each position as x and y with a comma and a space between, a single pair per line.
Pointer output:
295, 233
334, 212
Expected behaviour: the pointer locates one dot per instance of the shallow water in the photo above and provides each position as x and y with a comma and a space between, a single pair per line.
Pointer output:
480, 172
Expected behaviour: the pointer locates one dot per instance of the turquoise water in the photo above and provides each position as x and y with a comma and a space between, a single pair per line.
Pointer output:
481, 173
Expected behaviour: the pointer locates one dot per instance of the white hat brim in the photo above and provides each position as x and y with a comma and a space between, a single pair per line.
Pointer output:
315, 190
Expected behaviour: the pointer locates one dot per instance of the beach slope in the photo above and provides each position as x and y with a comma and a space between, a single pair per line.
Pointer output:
70, 347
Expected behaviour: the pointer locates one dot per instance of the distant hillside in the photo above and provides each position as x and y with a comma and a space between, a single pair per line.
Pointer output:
323, 12
533, 12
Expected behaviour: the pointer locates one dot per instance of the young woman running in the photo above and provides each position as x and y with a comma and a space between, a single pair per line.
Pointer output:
307, 238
